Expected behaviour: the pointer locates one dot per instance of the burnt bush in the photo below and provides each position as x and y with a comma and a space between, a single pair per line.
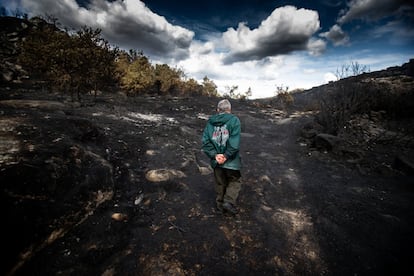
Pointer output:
342, 100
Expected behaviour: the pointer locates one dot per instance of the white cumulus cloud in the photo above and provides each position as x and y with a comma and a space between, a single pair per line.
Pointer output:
286, 30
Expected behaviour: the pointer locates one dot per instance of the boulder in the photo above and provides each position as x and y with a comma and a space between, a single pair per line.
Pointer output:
325, 141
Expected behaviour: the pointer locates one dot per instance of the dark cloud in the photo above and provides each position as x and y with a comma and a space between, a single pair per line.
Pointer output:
332, 3
336, 35
127, 24
286, 30
159, 40
372, 9
269, 47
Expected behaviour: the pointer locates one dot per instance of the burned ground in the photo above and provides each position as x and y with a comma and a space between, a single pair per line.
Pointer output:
120, 187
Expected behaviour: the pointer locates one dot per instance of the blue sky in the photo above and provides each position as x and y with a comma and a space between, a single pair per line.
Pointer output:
259, 44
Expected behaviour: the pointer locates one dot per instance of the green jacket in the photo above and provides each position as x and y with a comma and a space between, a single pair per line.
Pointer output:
222, 135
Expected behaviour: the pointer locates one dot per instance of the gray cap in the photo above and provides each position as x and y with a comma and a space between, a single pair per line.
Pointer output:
224, 105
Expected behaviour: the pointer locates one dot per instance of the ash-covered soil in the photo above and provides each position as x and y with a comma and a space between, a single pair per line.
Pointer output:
120, 187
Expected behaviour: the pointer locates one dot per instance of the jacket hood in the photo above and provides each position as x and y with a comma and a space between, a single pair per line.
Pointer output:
220, 119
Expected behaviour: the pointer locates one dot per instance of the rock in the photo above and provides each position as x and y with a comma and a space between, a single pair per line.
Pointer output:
205, 170
119, 217
160, 175
324, 141
308, 133
310, 130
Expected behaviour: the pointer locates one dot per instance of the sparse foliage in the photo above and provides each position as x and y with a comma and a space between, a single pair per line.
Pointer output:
343, 101
232, 92
350, 69
135, 72
247, 94
284, 98
137, 75
281, 89
97, 65
191, 86
167, 79
209, 87
79, 63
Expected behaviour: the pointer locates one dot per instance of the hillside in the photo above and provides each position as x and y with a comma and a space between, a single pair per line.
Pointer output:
120, 187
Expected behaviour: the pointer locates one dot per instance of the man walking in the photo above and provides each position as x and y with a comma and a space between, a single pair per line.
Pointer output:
221, 143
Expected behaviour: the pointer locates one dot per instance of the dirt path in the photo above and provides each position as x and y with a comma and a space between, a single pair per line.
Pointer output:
301, 212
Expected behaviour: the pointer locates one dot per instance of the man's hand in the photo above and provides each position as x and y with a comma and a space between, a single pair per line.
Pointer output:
221, 159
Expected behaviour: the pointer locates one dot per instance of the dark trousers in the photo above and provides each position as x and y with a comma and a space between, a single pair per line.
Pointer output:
228, 185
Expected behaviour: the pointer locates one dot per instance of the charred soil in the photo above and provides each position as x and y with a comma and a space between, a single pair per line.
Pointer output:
120, 187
